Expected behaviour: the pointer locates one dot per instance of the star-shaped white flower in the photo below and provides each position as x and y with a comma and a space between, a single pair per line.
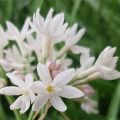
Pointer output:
22, 89
13, 60
15, 34
104, 67
51, 27
52, 90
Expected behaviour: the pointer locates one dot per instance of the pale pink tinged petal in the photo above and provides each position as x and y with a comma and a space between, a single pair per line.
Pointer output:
44, 74
70, 92
6, 65
57, 21
48, 18
109, 74
79, 35
49, 15
57, 103
15, 80
74, 29
64, 77
11, 90
40, 101
37, 87
17, 104
32, 96
25, 26
28, 79
12, 29
25, 104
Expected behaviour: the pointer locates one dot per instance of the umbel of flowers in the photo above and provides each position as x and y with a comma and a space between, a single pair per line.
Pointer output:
40, 74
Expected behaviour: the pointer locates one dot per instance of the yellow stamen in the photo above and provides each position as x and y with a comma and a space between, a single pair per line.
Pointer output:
49, 88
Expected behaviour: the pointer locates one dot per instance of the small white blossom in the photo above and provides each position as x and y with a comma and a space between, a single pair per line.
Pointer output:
104, 67
72, 37
22, 89
51, 29
13, 60
89, 105
52, 90
15, 34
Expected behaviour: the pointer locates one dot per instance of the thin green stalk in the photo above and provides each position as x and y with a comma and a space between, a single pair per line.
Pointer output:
64, 116
75, 9
114, 105
31, 115
41, 3
10, 101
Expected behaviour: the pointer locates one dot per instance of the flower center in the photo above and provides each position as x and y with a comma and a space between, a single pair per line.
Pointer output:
49, 89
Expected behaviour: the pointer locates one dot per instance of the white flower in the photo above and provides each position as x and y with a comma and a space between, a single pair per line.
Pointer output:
106, 64
51, 29
52, 90
89, 105
104, 67
13, 60
71, 38
15, 34
19, 36
22, 89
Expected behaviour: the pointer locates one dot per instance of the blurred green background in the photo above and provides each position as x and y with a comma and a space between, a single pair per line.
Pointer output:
101, 18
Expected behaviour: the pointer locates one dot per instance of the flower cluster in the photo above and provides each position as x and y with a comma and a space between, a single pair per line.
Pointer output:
34, 48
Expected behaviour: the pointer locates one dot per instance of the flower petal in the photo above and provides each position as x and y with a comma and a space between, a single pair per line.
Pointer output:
57, 103
17, 104
37, 87
70, 92
28, 79
44, 74
108, 73
25, 104
15, 80
64, 77
40, 101
11, 90
32, 96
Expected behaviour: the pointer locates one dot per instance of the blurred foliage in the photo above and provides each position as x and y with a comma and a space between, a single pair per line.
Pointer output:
101, 18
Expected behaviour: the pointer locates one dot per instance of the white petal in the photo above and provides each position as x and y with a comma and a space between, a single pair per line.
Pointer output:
12, 29
70, 92
11, 90
44, 74
108, 73
28, 79
15, 80
40, 101
17, 104
25, 26
79, 35
37, 87
32, 96
57, 21
64, 77
25, 104
57, 103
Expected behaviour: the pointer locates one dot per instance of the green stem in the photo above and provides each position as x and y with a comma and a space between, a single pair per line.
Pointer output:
75, 9
64, 116
114, 105
41, 3
31, 115
10, 101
